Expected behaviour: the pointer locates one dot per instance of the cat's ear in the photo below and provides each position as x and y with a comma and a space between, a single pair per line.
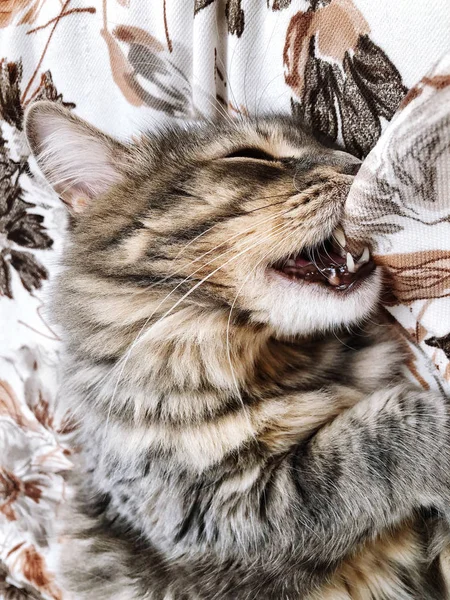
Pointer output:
78, 160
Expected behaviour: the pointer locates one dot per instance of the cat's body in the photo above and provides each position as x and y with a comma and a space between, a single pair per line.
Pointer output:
230, 527
238, 442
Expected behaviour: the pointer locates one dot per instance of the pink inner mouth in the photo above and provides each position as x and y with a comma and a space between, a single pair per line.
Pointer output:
329, 263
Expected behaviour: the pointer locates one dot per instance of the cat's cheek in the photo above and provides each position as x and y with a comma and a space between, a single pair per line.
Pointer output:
300, 308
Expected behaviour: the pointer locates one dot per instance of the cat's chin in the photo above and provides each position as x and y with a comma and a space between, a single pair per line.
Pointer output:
319, 289
295, 307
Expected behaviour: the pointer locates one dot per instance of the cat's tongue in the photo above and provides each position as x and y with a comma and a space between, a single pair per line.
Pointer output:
329, 263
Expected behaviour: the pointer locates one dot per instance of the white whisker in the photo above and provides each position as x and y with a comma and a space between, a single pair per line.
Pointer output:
144, 335
233, 373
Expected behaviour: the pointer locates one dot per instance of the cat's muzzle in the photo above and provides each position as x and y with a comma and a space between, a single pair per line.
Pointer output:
329, 263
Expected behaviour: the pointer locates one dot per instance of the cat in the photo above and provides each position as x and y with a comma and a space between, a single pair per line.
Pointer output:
245, 426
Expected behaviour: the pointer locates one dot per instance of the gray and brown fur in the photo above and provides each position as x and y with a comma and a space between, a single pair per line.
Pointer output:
223, 457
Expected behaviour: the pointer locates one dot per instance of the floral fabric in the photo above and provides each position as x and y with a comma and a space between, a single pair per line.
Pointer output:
343, 66
400, 201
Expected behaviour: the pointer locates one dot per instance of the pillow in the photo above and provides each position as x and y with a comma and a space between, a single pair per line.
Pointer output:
400, 202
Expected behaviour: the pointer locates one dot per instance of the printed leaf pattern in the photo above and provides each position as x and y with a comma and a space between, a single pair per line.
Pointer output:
235, 17
201, 4
32, 464
22, 11
233, 13
33, 455
146, 75
279, 4
11, 109
21, 228
9, 591
400, 203
343, 85
432, 269
443, 343
348, 71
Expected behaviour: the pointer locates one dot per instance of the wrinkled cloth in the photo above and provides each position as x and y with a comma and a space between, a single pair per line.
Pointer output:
400, 203
342, 66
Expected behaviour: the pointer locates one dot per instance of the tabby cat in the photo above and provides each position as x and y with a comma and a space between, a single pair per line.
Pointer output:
245, 427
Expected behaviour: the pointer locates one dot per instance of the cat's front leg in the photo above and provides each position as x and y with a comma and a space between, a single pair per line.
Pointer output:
369, 469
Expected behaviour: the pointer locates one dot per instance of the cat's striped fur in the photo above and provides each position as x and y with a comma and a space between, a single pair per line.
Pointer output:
243, 437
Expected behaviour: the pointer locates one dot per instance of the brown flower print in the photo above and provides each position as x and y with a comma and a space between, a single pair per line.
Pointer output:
148, 59
10, 407
443, 343
11, 488
8, 591
37, 399
233, 14
31, 468
26, 558
279, 4
21, 229
418, 275
345, 73
25, 11
32, 464
46, 90
438, 82
11, 109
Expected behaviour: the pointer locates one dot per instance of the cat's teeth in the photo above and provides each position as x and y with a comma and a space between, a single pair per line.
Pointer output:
350, 263
334, 280
290, 263
364, 256
340, 237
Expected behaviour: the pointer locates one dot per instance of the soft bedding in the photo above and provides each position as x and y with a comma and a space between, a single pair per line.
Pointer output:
343, 66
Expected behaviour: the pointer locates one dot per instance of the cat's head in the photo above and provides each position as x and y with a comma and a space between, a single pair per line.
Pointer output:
243, 215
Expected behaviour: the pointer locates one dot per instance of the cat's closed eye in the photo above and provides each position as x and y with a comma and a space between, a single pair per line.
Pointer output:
252, 153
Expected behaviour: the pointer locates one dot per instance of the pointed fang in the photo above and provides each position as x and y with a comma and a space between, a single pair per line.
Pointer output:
350, 263
364, 256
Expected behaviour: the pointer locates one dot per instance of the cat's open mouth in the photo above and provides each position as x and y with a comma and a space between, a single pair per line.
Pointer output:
329, 263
